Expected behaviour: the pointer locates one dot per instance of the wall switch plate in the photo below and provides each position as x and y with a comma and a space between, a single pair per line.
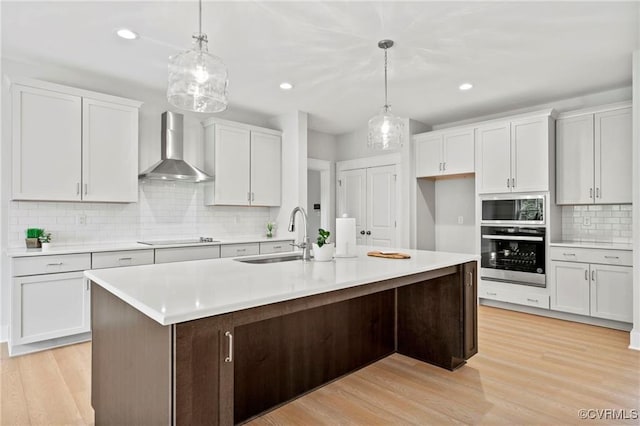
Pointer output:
586, 220
81, 219
460, 220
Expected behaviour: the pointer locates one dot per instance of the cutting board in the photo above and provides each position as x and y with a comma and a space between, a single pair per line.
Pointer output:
389, 254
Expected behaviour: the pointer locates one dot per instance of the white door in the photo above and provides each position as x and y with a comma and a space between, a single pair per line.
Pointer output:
429, 155
47, 132
109, 152
381, 206
612, 292
49, 306
231, 156
571, 287
574, 160
266, 169
530, 155
613, 156
458, 152
494, 158
352, 201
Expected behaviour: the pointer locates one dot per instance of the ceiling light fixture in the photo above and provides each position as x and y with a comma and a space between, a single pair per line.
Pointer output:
198, 80
385, 129
286, 86
465, 86
127, 34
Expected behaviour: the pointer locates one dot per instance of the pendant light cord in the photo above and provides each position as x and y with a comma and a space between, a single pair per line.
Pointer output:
200, 17
386, 102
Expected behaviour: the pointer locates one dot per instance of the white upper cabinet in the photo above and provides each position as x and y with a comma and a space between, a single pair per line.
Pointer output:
593, 157
514, 156
73, 145
246, 163
447, 152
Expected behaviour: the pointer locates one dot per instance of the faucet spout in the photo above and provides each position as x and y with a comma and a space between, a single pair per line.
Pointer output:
305, 245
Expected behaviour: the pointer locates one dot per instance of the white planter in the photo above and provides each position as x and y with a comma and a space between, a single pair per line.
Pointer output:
46, 246
324, 253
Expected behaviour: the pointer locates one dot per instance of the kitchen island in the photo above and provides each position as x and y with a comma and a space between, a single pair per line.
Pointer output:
222, 341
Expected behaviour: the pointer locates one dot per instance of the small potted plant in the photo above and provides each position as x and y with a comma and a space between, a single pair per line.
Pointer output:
45, 240
322, 248
32, 239
270, 227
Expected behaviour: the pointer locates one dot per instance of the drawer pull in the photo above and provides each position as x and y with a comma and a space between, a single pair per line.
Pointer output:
124, 258
277, 247
586, 275
54, 264
241, 250
569, 254
229, 357
532, 300
491, 294
612, 257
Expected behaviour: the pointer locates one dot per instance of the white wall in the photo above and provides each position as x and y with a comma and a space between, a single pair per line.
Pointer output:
455, 198
321, 146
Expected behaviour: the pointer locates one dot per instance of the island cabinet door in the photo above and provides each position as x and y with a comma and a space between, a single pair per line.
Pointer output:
470, 312
203, 365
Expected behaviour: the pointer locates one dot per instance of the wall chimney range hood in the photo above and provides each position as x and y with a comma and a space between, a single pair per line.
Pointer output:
171, 165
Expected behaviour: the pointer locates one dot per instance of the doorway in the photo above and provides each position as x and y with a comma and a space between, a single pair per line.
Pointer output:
320, 197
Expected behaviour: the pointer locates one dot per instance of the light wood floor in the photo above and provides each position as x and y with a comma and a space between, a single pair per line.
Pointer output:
530, 370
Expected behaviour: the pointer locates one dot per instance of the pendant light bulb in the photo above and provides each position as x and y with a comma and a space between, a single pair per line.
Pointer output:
198, 80
385, 129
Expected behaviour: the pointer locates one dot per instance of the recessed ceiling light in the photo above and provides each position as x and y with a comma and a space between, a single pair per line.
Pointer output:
127, 34
465, 86
286, 86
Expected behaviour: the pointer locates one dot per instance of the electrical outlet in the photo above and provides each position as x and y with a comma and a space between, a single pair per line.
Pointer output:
81, 219
586, 220
460, 220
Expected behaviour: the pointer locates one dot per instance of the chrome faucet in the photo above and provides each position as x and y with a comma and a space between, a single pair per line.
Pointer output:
305, 245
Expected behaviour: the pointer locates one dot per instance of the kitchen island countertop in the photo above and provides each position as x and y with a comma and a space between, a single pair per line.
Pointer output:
177, 292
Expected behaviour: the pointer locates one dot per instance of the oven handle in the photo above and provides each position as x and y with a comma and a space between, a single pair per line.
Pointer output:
511, 238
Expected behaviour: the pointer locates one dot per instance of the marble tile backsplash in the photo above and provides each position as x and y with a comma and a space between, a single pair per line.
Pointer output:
164, 210
609, 223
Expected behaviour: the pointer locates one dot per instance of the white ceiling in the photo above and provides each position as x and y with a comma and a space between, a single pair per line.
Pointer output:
516, 54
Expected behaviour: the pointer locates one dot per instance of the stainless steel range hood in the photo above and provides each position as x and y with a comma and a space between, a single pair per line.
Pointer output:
171, 165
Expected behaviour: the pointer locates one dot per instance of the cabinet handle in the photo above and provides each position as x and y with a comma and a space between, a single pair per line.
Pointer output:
444, 166
277, 247
569, 254
590, 192
253, 196
362, 232
439, 167
248, 196
597, 192
123, 258
612, 257
54, 264
241, 250
368, 232
470, 282
508, 182
87, 283
532, 300
229, 357
593, 275
86, 188
513, 182
78, 188
491, 294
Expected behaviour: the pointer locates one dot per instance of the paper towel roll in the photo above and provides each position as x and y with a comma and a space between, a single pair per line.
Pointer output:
345, 237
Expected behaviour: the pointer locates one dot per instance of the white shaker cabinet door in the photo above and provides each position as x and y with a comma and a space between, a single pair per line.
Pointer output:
530, 155
109, 152
574, 160
49, 306
232, 174
494, 158
613, 156
266, 169
429, 155
47, 133
352, 193
381, 206
571, 287
458, 152
612, 292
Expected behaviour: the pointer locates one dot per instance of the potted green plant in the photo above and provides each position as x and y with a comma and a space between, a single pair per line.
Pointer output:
45, 240
32, 239
270, 227
322, 248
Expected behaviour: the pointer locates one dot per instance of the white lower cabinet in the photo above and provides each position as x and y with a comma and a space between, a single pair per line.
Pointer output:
600, 291
513, 293
49, 306
235, 250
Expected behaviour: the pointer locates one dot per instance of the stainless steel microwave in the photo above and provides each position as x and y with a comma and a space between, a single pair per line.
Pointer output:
514, 210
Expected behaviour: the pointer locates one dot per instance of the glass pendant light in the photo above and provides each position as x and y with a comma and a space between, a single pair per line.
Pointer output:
385, 129
197, 79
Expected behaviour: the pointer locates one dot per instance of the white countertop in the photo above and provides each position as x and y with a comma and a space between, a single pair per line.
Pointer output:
592, 245
132, 245
175, 292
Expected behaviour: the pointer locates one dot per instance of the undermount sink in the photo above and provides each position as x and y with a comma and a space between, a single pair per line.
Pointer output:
271, 259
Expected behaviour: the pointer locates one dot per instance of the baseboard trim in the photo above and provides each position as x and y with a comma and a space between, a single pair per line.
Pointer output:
616, 325
28, 348
634, 339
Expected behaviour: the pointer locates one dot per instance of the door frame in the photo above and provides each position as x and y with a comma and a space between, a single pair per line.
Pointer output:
326, 197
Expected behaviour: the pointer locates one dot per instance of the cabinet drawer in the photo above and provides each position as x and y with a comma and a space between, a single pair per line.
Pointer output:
276, 247
519, 295
180, 254
585, 255
49, 264
112, 259
235, 250
536, 300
